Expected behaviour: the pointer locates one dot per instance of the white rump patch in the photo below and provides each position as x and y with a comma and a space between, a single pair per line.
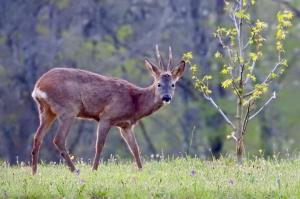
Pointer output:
37, 93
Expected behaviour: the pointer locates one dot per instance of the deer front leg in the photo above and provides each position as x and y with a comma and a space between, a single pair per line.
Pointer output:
128, 136
102, 131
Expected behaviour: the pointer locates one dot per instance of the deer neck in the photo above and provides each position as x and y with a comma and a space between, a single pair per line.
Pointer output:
148, 102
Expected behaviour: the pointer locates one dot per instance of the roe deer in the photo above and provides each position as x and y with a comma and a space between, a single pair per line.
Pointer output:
65, 94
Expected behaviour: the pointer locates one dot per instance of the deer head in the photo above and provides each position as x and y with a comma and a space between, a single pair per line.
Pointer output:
165, 76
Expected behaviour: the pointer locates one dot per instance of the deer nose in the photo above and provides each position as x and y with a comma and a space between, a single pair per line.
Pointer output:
166, 98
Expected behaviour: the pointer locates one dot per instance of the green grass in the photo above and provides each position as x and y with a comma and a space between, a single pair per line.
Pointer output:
175, 178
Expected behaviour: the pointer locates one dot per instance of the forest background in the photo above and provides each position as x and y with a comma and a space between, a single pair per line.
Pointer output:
113, 38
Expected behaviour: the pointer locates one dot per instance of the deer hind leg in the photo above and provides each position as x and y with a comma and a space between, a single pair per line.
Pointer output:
46, 120
102, 131
128, 135
59, 141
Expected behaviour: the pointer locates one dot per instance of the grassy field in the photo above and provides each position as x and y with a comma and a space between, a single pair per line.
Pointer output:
174, 178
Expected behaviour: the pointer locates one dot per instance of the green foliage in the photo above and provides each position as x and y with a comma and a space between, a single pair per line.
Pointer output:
124, 32
284, 19
98, 49
3, 72
200, 84
242, 14
41, 29
61, 4
104, 49
172, 178
2, 39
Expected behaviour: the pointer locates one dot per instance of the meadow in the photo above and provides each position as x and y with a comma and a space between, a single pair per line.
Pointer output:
168, 178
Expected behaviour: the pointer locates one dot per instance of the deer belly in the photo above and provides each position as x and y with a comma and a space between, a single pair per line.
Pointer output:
91, 111
124, 123
88, 116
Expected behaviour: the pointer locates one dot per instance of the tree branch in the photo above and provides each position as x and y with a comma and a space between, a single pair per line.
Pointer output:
248, 94
267, 79
236, 89
272, 71
265, 104
251, 71
220, 110
246, 119
224, 46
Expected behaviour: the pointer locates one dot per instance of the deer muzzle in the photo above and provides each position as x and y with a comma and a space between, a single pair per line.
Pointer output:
166, 99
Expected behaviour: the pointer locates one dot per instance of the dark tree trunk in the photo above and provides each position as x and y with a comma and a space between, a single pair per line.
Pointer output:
151, 147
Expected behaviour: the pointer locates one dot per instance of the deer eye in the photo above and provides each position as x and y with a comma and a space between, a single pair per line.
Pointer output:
173, 85
158, 85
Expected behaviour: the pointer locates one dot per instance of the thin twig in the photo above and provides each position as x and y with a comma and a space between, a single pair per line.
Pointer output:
251, 71
247, 44
236, 90
272, 71
248, 94
241, 74
267, 79
220, 110
236, 26
249, 40
225, 47
265, 104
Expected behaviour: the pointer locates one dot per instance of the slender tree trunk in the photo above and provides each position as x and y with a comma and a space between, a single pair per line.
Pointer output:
240, 149
239, 110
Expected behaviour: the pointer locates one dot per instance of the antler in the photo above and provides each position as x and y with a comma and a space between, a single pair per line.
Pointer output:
170, 58
159, 58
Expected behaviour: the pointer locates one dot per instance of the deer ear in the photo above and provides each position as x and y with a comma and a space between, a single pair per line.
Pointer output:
154, 70
177, 71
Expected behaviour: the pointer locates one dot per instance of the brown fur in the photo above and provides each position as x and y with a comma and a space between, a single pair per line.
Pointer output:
65, 94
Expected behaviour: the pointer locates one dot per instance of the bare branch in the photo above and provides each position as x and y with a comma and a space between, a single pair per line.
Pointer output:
251, 71
226, 47
247, 44
265, 104
267, 79
236, 26
236, 89
220, 110
232, 136
272, 71
249, 40
248, 94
